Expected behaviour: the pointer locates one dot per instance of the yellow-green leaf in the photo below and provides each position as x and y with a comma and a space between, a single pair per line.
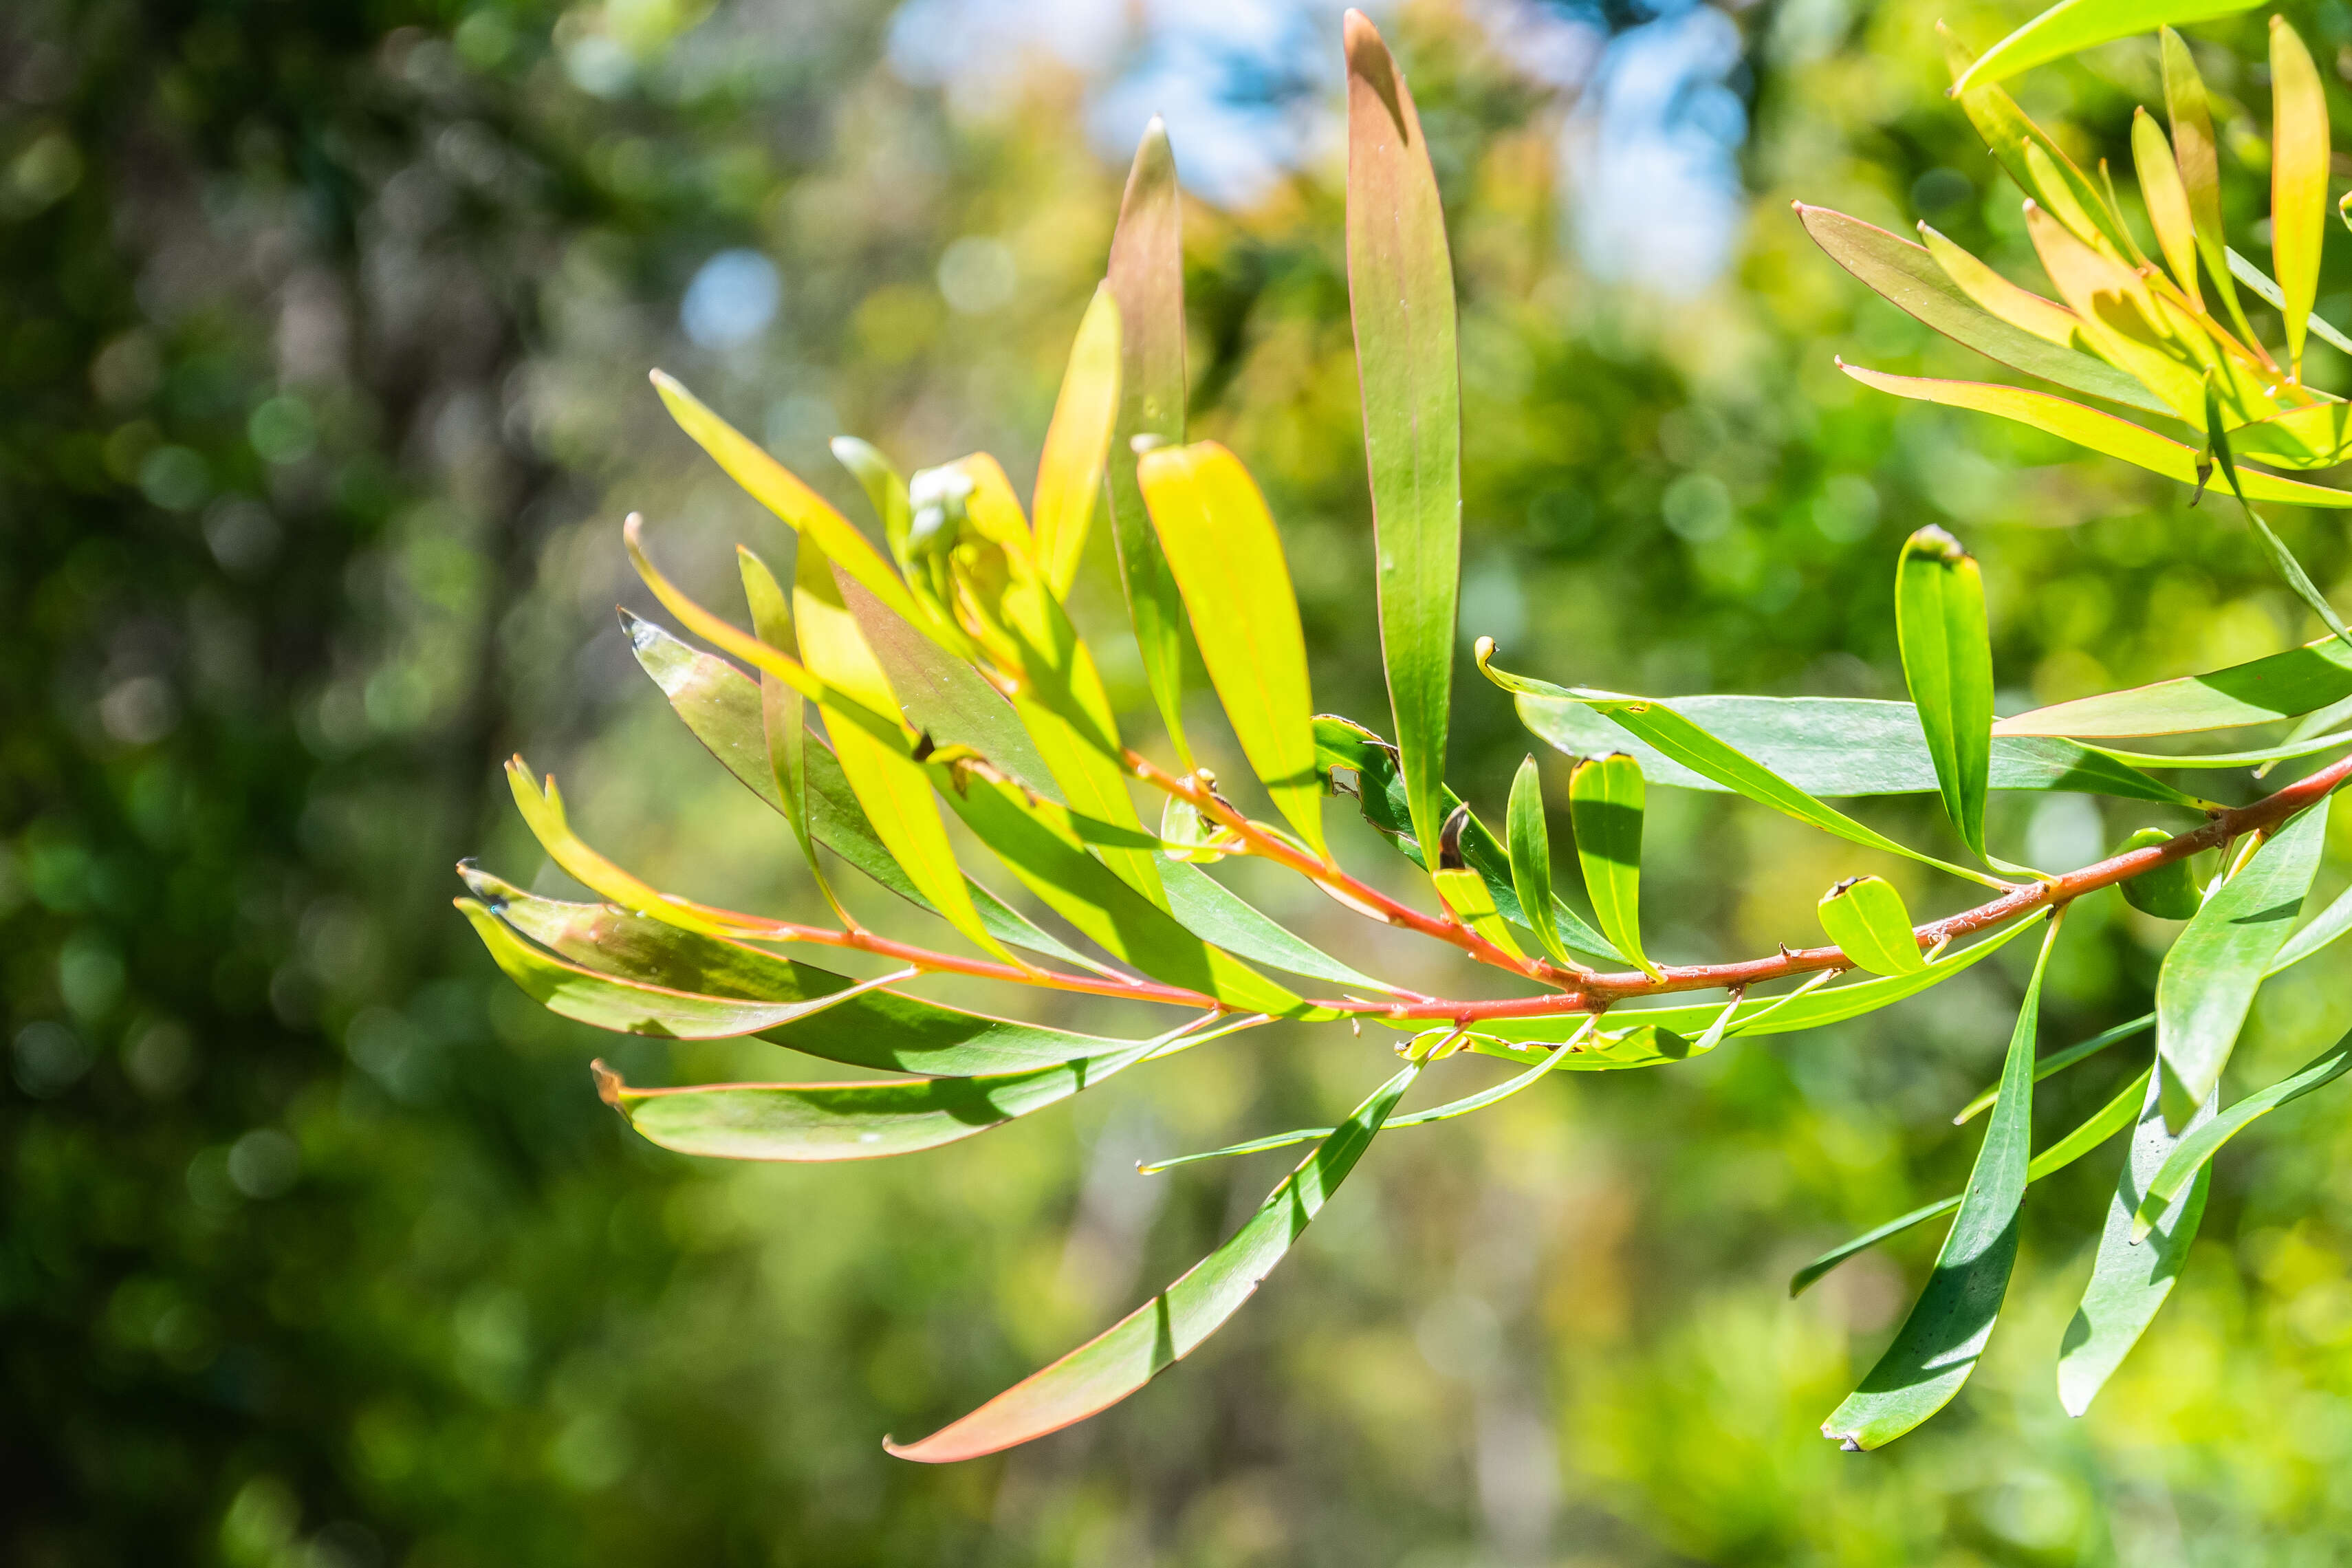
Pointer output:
2073, 26
2194, 152
783, 714
2298, 180
2168, 202
1222, 546
1866, 916
1605, 803
1077, 444
2088, 428
782, 492
892, 788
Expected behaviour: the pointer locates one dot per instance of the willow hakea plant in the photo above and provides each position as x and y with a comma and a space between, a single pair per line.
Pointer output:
946, 674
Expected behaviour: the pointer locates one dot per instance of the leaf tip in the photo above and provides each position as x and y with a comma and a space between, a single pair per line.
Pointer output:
608, 1084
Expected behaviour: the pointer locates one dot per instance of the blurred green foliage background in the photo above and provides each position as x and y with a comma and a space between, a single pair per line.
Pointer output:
323, 331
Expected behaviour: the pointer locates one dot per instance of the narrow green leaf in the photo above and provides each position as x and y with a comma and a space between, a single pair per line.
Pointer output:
1939, 1343
2209, 976
2128, 1283
2073, 26
2195, 151
2321, 931
1035, 838
1220, 542
632, 1007
1170, 1326
1147, 278
883, 1030
864, 1121
776, 488
1842, 746
824, 1121
2299, 158
1910, 277
1939, 625
1678, 738
2278, 686
1605, 806
2170, 892
721, 707
1531, 842
1401, 291
2255, 278
2087, 427
2105, 1123
1380, 791
2294, 746
1866, 916
2281, 558
891, 788
2197, 1149
1077, 444
1513, 1037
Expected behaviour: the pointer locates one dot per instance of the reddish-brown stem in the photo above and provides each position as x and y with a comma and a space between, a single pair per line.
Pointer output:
1358, 895
1600, 990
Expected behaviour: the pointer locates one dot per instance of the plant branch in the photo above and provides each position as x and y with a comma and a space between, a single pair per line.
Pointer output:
1362, 897
1599, 991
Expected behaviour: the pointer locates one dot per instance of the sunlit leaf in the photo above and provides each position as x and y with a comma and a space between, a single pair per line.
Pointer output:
1380, 791
776, 488
1841, 746
1604, 806
1219, 542
2196, 1151
541, 805
2279, 686
2168, 202
783, 715
1218, 915
2285, 750
632, 1007
721, 707
2073, 26
2128, 1283
1529, 837
1147, 278
865, 1121
1464, 892
1401, 291
1939, 627
2105, 1123
881, 1029
2299, 163
1035, 838
1077, 444
1675, 736
2194, 152
2101, 433
1170, 1326
1866, 916
2170, 892
1513, 1037
1939, 1343
891, 788
2003, 325
2038, 166
2212, 971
